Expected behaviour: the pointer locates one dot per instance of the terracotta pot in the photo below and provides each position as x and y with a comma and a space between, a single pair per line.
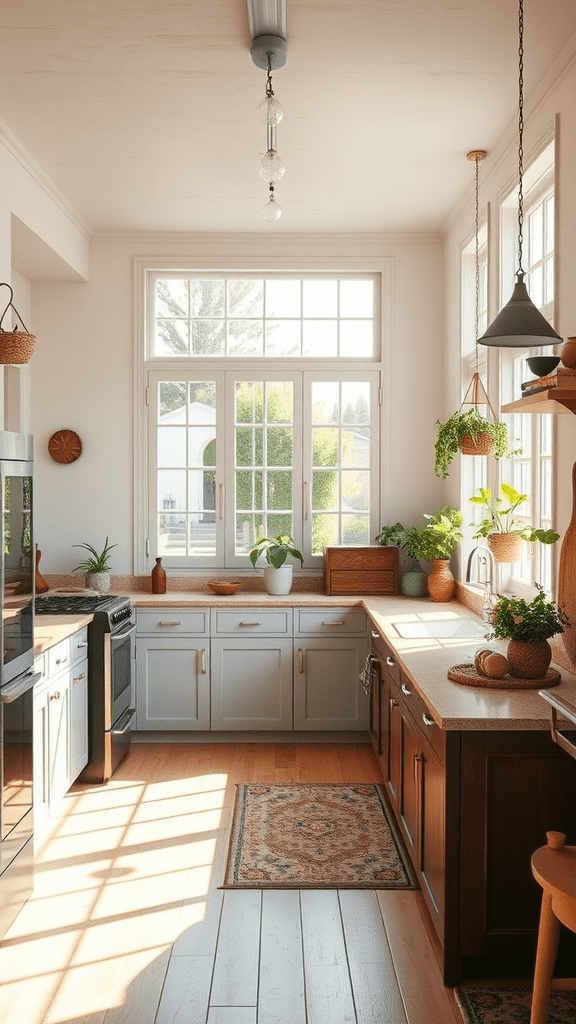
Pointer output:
529, 661
441, 583
506, 547
480, 444
568, 353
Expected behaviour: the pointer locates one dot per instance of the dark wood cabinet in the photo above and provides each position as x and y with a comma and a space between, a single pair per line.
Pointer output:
472, 807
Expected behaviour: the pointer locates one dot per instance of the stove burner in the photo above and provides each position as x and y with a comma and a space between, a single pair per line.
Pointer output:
68, 604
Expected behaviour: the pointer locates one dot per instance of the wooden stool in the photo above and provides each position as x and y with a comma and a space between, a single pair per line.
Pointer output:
554, 867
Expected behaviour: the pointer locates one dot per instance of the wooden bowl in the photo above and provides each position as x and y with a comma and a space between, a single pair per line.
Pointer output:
223, 587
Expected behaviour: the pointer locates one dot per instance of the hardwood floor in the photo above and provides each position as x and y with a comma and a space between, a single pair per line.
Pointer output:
127, 924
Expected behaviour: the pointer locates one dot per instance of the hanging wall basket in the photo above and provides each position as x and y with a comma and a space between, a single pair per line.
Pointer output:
16, 347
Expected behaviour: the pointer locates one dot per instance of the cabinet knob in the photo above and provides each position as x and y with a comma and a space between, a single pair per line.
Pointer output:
405, 690
55, 695
394, 703
375, 635
77, 679
427, 720
390, 662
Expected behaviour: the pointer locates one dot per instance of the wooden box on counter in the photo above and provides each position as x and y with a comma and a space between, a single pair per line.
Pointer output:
361, 570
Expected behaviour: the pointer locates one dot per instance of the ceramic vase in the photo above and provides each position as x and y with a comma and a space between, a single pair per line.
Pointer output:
529, 661
441, 583
278, 581
568, 353
506, 547
414, 584
99, 581
158, 578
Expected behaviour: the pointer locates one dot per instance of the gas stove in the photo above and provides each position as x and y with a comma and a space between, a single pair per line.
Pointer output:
107, 608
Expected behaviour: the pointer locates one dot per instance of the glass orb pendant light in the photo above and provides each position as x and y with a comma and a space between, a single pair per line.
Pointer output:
269, 112
271, 210
520, 324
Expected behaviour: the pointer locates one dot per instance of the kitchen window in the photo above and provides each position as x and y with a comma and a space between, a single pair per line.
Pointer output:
262, 415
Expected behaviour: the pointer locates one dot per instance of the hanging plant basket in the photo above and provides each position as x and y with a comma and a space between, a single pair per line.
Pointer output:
476, 444
506, 547
16, 347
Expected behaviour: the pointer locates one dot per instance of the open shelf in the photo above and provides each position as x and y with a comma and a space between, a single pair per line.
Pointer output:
554, 400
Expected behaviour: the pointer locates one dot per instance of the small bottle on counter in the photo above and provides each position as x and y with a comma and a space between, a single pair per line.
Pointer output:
158, 577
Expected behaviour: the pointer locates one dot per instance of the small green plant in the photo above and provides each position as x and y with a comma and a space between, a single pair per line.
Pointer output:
500, 518
97, 562
470, 422
440, 536
513, 618
275, 550
391, 535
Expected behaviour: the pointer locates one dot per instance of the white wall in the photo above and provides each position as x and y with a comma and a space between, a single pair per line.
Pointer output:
82, 379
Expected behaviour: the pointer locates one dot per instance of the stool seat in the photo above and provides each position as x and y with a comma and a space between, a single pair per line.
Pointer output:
554, 868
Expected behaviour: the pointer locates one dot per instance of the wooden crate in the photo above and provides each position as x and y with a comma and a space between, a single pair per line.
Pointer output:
361, 570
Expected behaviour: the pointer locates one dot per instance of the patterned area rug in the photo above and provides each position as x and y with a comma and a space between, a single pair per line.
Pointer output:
512, 1006
315, 836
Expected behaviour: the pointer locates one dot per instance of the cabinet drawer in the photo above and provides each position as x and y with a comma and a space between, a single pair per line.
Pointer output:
59, 657
79, 645
364, 581
333, 621
420, 713
172, 620
252, 621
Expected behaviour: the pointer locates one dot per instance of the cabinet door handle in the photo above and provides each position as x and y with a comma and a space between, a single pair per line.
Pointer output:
203, 661
417, 760
406, 691
375, 635
394, 703
427, 720
167, 622
390, 662
82, 644
255, 623
61, 661
336, 622
301, 660
76, 679
55, 695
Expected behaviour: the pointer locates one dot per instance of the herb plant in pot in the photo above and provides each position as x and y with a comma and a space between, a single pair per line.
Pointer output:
276, 551
96, 568
436, 542
527, 625
472, 434
503, 532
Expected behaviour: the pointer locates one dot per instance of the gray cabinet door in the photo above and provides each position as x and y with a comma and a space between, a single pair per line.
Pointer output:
252, 683
327, 690
172, 683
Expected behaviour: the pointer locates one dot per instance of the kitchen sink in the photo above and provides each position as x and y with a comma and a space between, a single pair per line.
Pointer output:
440, 628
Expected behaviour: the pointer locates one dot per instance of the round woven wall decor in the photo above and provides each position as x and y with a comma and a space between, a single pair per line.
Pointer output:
65, 446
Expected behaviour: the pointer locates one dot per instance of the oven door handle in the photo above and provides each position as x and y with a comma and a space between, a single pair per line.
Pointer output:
122, 636
123, 723
12, 691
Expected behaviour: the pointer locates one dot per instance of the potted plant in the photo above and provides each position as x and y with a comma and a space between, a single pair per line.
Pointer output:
436, 542
97, 567
278, 572
504, 533
527, 625
472, 434
391, 536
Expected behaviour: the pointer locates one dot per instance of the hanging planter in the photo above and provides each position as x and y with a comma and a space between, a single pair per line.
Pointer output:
468, 432
478, 444
16, 347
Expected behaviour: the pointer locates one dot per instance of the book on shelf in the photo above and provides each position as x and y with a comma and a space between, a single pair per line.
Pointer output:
562, 377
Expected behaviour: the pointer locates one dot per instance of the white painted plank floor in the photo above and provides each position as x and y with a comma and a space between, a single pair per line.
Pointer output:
127, 924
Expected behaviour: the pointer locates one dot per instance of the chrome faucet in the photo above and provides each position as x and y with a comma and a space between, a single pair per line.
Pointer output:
486, 572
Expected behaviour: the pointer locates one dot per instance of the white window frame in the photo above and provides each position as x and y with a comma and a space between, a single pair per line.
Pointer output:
181, 369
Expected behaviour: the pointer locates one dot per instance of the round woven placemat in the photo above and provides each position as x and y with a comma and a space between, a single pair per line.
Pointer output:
468, 675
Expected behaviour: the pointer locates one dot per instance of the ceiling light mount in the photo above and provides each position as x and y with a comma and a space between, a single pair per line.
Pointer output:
269, 51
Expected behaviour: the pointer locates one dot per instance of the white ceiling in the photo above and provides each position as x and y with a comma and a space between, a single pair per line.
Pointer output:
142, 111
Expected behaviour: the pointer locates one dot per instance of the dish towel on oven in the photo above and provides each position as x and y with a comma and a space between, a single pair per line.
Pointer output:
369, 674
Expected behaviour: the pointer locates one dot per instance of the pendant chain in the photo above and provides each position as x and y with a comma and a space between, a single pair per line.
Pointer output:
520, 131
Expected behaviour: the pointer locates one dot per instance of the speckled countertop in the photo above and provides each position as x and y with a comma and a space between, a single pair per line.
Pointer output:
454, 706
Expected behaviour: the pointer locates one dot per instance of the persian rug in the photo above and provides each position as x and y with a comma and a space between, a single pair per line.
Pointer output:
512, 1005
315, 836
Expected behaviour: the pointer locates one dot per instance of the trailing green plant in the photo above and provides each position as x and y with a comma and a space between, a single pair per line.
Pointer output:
470, 422
513, 618
275, 550
98, 562
500, 517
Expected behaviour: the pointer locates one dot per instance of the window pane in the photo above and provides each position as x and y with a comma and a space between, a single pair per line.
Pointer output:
356, 402
249, 490
208, 338
282, 337
536, 235
279, 446
206, 298
249, 446
283, 298
324, 490
549, 287
245, 338
355, 491
355, 530
279, 402
202, 540
203, 401
536, 286
549, 248
279, 489
324, 532
249, 399
172, 298
325, 402
172, 396
171, 338
172, 446
319, 338
356, 298
356, 448
172, 535
356, 338
325, 442
320, 298
172, 490
245, 298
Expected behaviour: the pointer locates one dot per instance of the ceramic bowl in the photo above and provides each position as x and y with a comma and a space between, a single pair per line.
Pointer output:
223, 587
542, 365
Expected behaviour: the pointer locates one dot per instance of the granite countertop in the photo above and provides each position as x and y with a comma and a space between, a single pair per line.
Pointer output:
51, 629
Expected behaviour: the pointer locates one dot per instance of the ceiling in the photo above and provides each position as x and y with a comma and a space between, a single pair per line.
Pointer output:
142, 111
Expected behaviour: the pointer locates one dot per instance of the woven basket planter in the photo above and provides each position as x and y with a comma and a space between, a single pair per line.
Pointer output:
441, 583
529, 661
16, 347
478, 444
506, 547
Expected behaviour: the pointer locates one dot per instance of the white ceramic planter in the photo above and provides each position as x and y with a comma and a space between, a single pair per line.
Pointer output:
99, 581
278, 581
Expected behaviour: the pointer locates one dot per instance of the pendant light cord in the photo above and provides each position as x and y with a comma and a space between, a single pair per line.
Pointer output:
477, 264
520, 132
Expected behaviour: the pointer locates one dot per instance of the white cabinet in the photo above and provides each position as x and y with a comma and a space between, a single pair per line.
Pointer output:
329, 654
60, 721
172, 669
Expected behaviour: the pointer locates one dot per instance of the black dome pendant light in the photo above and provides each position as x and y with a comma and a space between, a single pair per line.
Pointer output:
519, 323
